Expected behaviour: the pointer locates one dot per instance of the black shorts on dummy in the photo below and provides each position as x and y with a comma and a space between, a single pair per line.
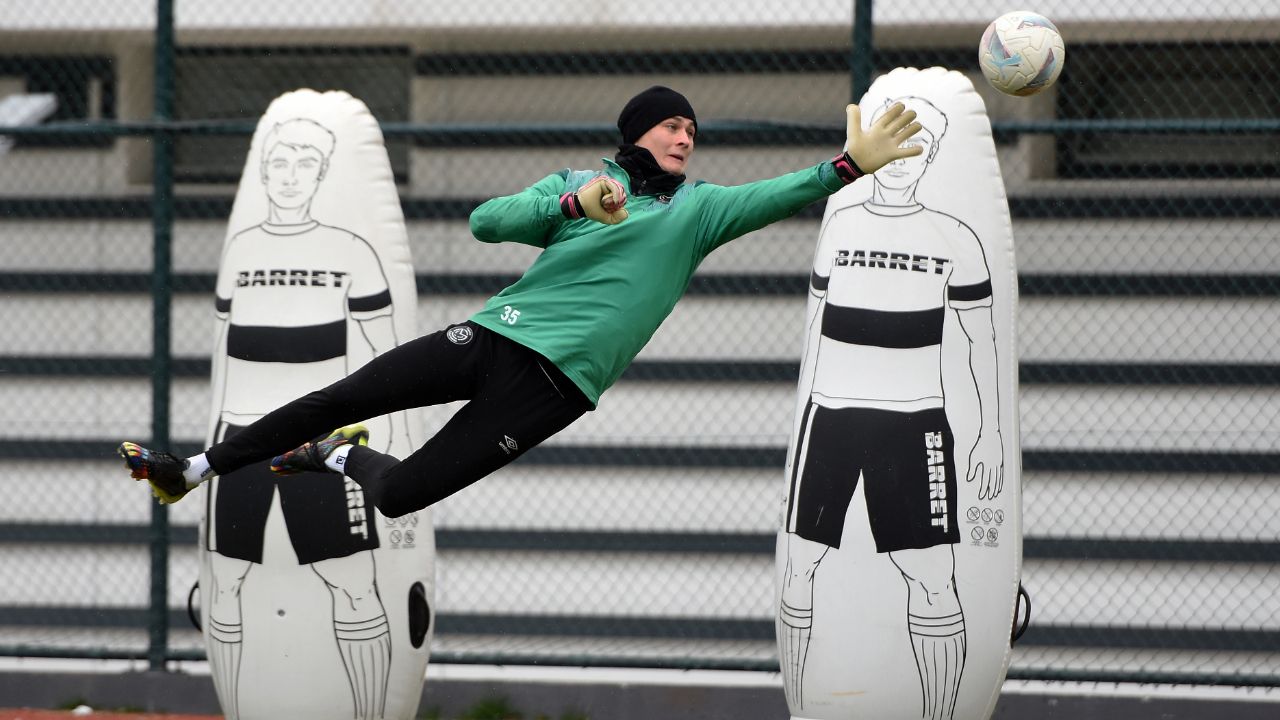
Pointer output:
517, 400
325, 514
907, 461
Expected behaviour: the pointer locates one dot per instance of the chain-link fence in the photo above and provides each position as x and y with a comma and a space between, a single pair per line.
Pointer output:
1147, 222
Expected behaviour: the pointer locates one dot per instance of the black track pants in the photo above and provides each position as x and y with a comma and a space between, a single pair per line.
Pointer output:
518, 399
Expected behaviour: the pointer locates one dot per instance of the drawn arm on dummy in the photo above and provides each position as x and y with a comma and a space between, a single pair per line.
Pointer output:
220, 374
986, 460
380, 333
812, 337
369, 303
224, 291
817, 303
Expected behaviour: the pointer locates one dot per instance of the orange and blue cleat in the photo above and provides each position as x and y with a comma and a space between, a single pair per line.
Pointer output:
162, 470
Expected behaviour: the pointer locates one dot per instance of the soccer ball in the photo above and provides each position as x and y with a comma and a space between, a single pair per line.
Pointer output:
1021, 53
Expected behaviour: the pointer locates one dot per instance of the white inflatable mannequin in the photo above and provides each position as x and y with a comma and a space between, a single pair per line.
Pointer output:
313, 606
900, 553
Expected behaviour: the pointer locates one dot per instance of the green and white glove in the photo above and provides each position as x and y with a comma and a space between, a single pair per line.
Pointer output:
877, 146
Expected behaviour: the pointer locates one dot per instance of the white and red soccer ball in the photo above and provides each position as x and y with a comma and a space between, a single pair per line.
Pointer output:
1021, 53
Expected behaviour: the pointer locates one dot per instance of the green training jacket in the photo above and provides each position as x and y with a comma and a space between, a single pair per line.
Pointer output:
597, 293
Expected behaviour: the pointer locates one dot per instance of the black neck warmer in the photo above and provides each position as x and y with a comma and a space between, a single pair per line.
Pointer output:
647, 177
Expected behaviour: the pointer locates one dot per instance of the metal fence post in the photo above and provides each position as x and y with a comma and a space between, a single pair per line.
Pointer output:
161, 287
863, 44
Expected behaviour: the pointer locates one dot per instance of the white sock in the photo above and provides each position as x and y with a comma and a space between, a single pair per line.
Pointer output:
366, 652
224, 661
198, 470
939, 645
796, 629
337, 460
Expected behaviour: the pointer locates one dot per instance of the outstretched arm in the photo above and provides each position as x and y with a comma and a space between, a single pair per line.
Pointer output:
735, 211
731, 212
986, 460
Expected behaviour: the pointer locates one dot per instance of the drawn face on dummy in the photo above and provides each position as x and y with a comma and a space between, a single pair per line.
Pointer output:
295, 159
292, 175
904, 173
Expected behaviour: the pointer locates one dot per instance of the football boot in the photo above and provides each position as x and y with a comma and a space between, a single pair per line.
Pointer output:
162, 470
311, 457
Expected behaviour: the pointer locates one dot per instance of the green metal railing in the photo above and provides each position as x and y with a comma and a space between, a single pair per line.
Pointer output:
712, 133
162, 318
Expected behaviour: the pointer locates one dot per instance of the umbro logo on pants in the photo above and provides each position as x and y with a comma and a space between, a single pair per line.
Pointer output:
508, 445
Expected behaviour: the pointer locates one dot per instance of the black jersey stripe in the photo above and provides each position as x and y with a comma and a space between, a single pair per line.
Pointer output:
969, 293
818, 282
222, 305
370, 303
881, 328
306, 344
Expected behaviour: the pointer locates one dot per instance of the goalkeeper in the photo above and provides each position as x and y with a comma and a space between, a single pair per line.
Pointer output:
619, 247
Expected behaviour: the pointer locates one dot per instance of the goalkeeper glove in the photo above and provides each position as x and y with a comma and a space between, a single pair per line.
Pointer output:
873, 148
601, 200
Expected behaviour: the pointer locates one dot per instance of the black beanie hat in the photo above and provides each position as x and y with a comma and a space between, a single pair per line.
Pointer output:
650, 108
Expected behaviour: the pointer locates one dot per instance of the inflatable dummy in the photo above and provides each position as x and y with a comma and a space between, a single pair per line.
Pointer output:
900, 553
314, 606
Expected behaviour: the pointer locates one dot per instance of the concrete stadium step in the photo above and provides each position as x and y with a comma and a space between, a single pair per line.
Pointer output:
1044, 246
1123, 595
707, 327
1192, 507
695, 414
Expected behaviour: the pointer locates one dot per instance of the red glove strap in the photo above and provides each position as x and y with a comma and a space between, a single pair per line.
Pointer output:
571, 206
846, 169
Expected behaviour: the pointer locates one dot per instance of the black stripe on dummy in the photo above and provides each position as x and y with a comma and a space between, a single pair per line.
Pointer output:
818, 282
859, 326
371, 303
222, 306
307, 344
969, 293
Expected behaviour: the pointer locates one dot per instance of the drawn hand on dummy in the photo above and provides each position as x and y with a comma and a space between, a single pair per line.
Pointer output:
986, 465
